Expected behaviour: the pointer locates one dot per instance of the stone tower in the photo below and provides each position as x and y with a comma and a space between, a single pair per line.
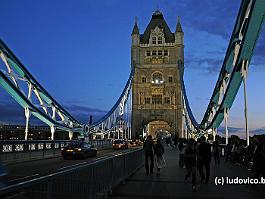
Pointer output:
156, 92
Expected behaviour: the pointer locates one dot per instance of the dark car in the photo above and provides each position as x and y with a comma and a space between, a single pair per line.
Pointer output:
78, 149
120, 144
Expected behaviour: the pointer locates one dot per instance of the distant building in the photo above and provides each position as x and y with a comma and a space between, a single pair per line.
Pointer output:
17, 132
156, 89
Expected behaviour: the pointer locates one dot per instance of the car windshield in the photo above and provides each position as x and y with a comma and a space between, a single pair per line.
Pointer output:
75, 144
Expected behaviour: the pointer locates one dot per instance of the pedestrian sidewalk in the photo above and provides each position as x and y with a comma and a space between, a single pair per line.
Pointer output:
170, 184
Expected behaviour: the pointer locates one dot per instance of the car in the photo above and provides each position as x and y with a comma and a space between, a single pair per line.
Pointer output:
120, 144
134, 143
78, 149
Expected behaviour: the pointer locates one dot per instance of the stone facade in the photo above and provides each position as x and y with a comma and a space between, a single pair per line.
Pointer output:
156, 92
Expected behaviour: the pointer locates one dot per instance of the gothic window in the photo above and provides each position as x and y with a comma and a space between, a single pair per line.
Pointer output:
153, 40
143, 79
148, 53
165, 52
166, 100
156, 99
147, 100
159, 40
159, 52
153, 52
170, 79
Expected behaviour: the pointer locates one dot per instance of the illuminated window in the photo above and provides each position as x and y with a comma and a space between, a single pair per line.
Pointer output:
159, 40
156, 99
153, 40
157, 77
147, 100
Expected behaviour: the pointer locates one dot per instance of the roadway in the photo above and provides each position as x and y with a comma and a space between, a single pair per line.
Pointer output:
19, 172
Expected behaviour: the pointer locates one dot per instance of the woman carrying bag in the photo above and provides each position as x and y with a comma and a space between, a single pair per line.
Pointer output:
159, 151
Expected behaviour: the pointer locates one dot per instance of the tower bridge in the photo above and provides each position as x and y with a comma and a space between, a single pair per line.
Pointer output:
156, 88
153, 100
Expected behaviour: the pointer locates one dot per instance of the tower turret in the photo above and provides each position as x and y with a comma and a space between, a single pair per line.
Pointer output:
179, 34
179, 41
135, 34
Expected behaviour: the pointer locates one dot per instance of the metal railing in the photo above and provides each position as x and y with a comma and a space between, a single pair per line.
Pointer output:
93, 180
21, 150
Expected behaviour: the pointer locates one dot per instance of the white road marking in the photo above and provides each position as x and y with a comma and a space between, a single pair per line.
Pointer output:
23, 178
70, 166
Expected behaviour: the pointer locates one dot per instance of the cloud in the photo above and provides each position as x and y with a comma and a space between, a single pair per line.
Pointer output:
12, 113
240, 132
207, 66
215, 17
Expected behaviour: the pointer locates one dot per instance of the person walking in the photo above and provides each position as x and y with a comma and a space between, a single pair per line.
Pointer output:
159, 158
181, 148
216, 152
190, 162
204, 159
149, 154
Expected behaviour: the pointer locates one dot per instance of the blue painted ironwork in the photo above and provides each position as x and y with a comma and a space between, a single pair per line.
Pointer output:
242, 43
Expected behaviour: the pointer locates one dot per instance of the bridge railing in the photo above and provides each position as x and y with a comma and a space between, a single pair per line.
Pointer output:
22, 150
93, 180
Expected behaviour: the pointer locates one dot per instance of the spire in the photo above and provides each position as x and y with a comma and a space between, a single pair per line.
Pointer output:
157, 13
179, 28
135, 30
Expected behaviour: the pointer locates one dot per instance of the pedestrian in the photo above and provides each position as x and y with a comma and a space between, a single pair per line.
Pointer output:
204, 160
181, 148
259, 161
159, 158
190, 162
216, 152
149, 154
228, 149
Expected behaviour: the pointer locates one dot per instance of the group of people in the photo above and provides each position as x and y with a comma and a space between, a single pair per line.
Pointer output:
193, 155
197, 155
152, 150
252, 156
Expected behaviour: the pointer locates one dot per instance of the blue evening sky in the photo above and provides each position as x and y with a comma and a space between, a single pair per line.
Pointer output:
79, 50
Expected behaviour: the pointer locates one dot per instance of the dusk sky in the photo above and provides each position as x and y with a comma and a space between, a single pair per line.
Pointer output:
80, 52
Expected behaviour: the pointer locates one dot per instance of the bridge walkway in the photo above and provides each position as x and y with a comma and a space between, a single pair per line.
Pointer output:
170, 184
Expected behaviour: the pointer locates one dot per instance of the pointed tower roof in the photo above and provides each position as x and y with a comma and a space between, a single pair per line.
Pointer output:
179, 28
157, 20
135, 30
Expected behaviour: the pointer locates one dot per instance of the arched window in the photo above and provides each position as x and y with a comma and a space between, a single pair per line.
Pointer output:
157, 78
